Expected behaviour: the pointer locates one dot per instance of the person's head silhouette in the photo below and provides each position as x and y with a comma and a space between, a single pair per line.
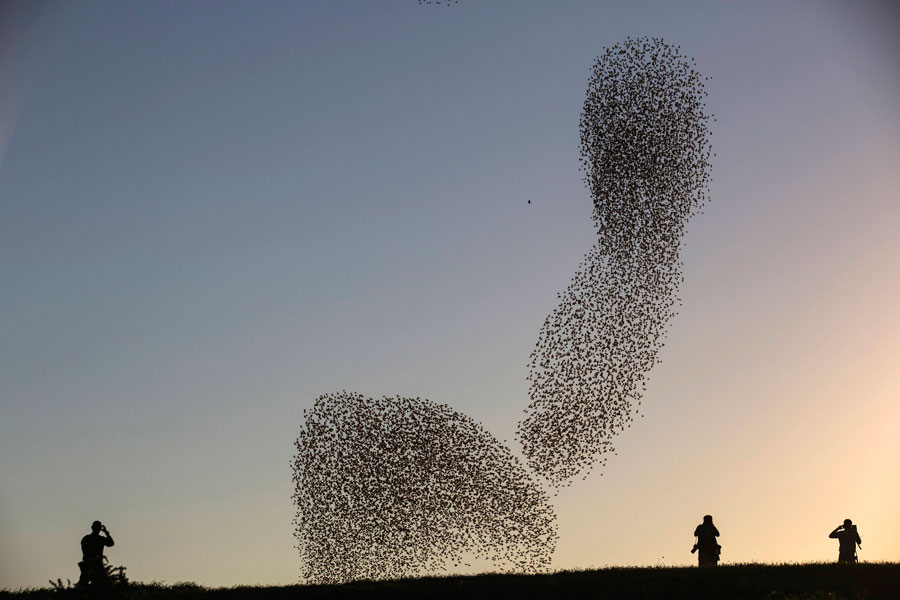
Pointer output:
707, 520
847, 523
96, 526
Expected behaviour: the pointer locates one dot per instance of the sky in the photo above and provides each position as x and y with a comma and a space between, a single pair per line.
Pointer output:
213, 212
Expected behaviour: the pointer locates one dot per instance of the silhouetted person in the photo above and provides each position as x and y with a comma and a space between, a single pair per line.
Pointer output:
849, 538
93, 573
706, 534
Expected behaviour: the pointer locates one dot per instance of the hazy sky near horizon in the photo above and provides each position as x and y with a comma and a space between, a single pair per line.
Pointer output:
213, 212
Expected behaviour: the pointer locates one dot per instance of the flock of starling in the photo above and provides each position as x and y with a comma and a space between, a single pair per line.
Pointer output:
398, 487
645, 155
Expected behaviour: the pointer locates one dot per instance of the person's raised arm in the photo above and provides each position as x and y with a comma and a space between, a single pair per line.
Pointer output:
834, 534
109, 541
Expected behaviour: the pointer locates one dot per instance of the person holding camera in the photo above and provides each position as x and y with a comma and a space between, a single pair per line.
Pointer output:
709, 548
93, 573
849, 538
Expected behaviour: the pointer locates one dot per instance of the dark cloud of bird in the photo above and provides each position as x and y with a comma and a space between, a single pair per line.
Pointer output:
398, 487
645, 155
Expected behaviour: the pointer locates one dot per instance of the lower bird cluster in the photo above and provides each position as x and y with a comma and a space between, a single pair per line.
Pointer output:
397, 487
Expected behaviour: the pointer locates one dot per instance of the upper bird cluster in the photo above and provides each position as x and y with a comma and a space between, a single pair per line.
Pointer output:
645, 155
397, 487
645, 148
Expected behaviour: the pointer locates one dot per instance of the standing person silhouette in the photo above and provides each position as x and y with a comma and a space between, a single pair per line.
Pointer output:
849, 538
706, 534
92, 571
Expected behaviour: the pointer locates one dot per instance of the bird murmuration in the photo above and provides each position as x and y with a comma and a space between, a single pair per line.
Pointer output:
400, 487
645, 154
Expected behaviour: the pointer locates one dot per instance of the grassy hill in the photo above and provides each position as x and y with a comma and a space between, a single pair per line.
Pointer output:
873, 581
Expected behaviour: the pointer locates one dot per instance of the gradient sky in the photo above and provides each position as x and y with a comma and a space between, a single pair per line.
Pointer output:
212, 212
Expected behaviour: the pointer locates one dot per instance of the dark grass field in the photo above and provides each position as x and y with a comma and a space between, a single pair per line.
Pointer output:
772, 582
